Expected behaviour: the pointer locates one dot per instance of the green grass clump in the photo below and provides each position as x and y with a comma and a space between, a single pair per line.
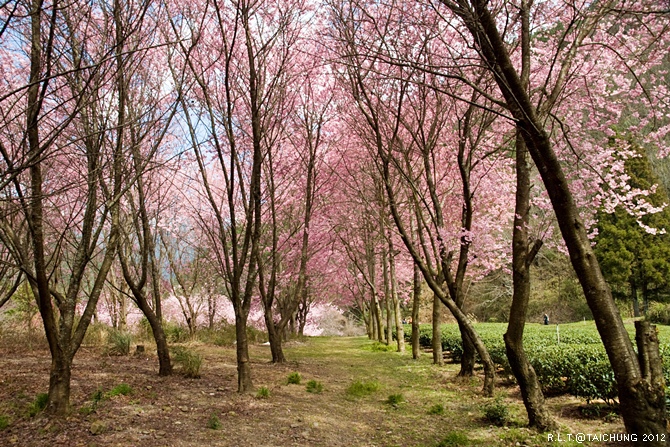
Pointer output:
263, 393
314, 387
382, 347
189, 361
119, 342
38, 405
214, 423
362, 389
4, 421
395, 399
294, 378
436, 409
454, 439
122, 389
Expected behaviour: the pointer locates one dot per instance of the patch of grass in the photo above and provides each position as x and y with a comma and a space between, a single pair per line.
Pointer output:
38, 405
294, 378
381, 347
263, 392
361, 389
4, 421
214, 423
436, 409
190, 361
122, 389
496, 412
314, 387
395, 399
454, 439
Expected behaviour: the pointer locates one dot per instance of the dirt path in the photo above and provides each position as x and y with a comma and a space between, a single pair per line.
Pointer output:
177, 412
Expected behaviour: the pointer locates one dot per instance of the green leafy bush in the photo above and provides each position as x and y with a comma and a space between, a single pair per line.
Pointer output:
570, 360
314, 387
189, 361
263, 393
294, 378
119, 342
496, 412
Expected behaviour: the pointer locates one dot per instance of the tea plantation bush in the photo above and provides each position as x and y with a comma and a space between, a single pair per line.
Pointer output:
572, 361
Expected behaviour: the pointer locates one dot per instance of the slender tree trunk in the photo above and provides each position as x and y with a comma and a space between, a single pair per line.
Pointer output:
59, 384
634, 298
416, 301
162, 348
437, 331
387, 297
400, 331
244, 383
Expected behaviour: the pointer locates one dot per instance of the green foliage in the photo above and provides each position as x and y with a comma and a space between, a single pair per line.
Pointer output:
214, 423
496, 412
4, 421
263, 392
175, 333
119, 342
38, 405
576, 365
659, 313
294, 378
189, 361
314, 387
361, 389
122, 389
436, 409
395, 399
455, 439
634, 259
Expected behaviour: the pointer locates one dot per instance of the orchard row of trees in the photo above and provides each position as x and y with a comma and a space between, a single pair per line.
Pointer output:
347, 151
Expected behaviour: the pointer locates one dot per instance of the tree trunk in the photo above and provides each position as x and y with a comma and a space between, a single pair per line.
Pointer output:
416, 301
162, 349
274, 337
522, 257
400, 331
437, 332
640, 399
244, 383
469, 355
59, 384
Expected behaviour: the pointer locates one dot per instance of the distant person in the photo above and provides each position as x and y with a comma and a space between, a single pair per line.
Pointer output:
546, 319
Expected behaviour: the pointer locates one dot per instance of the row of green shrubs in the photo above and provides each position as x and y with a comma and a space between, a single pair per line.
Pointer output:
571, 360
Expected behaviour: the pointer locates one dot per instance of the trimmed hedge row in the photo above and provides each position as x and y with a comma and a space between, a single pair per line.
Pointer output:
571, 360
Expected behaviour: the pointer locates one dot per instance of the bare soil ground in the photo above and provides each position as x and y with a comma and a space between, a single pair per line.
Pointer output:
179, 412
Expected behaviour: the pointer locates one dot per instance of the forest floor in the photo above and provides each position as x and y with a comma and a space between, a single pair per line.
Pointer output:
435, 408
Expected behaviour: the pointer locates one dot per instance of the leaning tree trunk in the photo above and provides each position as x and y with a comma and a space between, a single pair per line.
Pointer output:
641, 390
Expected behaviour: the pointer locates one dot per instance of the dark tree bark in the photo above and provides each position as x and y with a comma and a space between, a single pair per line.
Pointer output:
416, 301
642, 398
438, 358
